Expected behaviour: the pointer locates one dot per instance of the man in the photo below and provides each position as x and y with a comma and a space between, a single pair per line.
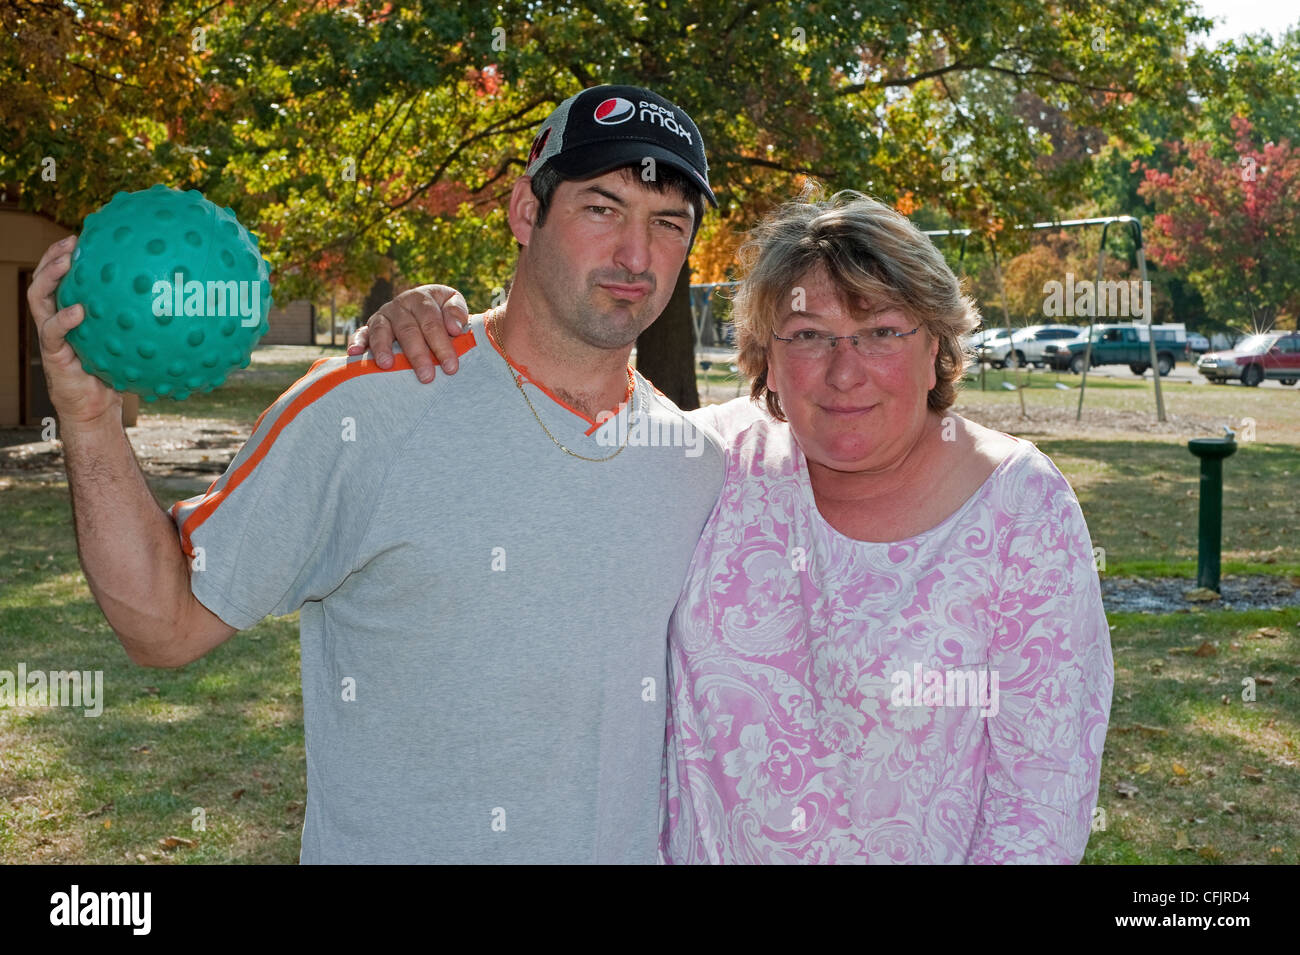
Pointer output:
508, 706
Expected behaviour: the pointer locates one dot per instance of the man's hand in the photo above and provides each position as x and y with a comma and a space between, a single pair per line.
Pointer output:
424, 321
78, 397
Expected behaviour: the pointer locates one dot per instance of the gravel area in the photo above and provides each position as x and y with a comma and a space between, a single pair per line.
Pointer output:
176, 454
1172, 594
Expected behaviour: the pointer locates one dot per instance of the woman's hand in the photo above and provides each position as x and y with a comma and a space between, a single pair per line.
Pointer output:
423, 320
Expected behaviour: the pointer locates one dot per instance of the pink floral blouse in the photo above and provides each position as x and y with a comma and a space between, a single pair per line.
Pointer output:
940, 699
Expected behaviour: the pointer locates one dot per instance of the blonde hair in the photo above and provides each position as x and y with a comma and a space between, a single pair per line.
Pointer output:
869, 251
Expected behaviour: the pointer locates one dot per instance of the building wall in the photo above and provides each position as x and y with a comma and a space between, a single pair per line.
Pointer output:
23, 240
291, 325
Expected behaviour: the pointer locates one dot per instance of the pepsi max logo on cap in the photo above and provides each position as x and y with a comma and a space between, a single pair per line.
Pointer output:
613, 111
664, 117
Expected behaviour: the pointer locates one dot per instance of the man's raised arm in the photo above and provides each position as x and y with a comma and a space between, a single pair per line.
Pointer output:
127, 544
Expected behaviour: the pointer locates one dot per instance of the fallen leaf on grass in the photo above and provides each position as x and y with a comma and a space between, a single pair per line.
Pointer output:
107, 807
1253, 774
237, 794
1264, 681
1126, 790
142, 748
1206, 649
1180, 769
1142, 769
1269, 633
172, 842
1180, 841
1201, 595
1208, 852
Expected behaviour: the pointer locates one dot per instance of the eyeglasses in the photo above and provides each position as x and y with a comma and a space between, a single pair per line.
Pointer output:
875, 342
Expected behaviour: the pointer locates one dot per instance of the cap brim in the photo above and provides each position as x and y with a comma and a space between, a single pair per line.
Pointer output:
579, 162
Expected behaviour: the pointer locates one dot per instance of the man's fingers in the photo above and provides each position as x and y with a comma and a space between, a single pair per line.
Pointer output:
379, 338
360, 341
53, 332
455, 313
64, 246
53, 266
410, 331
445, 302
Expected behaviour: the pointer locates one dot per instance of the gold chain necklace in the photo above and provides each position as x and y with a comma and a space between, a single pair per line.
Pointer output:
493, 327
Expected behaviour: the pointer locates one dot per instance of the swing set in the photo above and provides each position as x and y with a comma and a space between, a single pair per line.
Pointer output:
1105, 222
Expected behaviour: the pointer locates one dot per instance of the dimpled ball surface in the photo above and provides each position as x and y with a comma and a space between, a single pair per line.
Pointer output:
141, 239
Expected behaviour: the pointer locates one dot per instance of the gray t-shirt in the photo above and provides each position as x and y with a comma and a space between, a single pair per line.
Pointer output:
484, 617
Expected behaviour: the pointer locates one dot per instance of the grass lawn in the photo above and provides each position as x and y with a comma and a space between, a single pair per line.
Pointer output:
222, 735
1186, 777
1191, 772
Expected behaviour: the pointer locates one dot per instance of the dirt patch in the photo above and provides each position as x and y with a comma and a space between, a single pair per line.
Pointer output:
1169, 594
177, 453
1108, 423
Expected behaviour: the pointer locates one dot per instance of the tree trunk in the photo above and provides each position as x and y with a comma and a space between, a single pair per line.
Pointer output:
665, 352
380, 294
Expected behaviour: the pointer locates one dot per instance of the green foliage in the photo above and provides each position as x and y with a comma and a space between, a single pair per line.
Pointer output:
355, 135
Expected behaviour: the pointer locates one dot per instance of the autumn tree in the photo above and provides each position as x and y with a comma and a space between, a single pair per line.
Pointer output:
1230, 225
369, 138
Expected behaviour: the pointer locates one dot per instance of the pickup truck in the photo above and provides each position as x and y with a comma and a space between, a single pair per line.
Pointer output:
1121, 345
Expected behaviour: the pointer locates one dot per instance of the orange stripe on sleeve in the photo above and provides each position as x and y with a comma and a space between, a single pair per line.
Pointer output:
366, 366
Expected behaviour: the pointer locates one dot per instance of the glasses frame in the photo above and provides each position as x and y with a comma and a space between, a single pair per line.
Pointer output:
853, 340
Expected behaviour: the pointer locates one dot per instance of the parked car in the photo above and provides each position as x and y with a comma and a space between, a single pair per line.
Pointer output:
1120, 344
1273, 355
975, 340
1025, 345
1197, 344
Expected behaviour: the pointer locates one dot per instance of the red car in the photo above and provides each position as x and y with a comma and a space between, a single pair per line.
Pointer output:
1269, 355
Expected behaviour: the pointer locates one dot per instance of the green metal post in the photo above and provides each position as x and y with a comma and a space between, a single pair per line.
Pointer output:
1209, 534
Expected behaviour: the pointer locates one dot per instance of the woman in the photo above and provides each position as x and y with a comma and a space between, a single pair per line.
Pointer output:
891, 645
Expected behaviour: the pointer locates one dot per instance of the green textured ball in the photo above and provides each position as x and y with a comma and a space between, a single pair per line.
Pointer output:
175, 291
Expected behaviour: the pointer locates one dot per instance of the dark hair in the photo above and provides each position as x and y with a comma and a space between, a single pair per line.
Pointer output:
667, 179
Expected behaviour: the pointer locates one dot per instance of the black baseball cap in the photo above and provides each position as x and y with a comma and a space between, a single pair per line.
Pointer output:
610, 126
